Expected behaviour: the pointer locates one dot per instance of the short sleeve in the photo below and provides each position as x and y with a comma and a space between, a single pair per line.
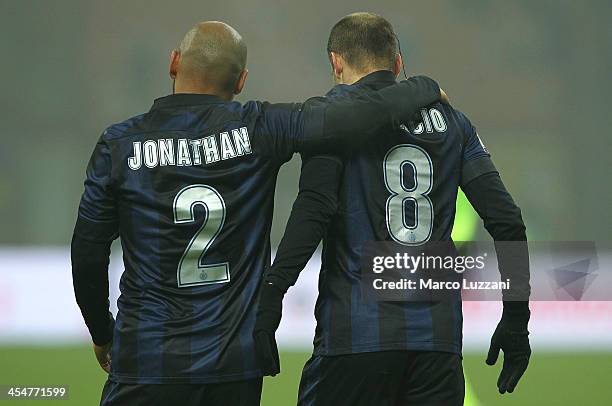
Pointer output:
475, 160
98, 219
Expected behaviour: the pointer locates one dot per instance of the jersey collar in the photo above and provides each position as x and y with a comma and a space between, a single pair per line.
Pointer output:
382, 77
375, 80
186, 99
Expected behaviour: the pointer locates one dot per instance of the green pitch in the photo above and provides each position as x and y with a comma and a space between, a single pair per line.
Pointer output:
552, 379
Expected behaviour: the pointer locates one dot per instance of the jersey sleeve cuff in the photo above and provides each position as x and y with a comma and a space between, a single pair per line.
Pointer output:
104, 334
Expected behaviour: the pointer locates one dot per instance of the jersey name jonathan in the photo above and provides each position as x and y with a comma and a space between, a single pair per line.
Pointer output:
189, 152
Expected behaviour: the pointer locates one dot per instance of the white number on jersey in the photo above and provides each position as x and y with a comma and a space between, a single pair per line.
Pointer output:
190, 270
420, 231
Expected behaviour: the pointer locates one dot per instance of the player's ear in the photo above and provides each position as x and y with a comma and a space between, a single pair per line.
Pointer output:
397, 68
241, 81
337, 65
175, 57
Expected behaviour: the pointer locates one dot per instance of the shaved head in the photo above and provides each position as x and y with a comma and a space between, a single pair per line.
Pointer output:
213, 53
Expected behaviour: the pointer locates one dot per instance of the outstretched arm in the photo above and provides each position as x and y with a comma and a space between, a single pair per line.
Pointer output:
329, 125
352, 120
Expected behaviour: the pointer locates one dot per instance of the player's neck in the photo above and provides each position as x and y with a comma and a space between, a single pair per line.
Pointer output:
350, 76
187, 86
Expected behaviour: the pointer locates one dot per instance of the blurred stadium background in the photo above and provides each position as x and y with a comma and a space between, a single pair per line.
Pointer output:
534, 76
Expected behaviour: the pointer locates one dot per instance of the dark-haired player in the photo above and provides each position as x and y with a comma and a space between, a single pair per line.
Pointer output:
402, 188
189, 189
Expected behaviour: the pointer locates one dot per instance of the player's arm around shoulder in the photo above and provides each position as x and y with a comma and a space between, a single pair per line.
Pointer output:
355, 119
324, 125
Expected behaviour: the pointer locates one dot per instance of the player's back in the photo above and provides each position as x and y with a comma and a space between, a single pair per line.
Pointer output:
401, 188
193, 185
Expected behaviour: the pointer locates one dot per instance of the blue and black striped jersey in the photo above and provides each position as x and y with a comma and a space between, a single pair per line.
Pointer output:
398, 187
189, 189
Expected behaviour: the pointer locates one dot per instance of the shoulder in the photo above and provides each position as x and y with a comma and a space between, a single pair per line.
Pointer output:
342, 91
123, 128
456, 118
266, 113
461, 118
245, 110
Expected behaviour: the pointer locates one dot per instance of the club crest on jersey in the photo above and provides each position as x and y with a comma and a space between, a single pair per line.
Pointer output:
189, 152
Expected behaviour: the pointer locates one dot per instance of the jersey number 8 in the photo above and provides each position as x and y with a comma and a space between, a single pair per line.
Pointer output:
409, 201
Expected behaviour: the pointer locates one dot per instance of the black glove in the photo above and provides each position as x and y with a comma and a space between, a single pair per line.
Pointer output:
512, 337
269, 311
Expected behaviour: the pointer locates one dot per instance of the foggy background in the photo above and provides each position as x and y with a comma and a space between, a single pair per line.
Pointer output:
533, 76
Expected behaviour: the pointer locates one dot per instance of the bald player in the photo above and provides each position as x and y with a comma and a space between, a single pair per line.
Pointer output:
189, 189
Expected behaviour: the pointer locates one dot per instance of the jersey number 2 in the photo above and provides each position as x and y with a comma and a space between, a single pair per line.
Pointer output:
191, 271
399, 161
